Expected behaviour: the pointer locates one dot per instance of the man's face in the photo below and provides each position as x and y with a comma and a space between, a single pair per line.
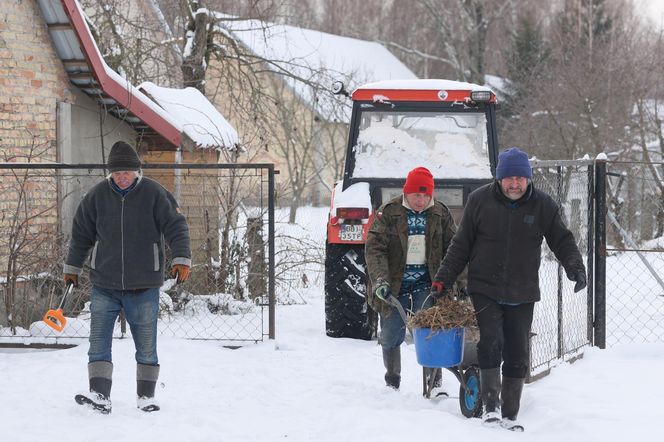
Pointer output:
514, 187
124, 178
418, 201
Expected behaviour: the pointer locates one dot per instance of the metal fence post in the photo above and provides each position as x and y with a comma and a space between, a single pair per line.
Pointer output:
590, 252
271, 251
559, 312
599, 322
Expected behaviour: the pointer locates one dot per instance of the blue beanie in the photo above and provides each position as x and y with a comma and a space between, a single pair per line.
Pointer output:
513, 162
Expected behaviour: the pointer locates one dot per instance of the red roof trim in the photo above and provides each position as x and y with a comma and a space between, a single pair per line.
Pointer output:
110, 86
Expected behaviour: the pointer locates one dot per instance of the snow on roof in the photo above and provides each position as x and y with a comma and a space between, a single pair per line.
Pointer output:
498, 85
198, 118
425, 85
319, 58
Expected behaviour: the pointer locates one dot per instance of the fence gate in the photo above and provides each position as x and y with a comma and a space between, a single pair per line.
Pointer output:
563, 320
632, 301
230, 212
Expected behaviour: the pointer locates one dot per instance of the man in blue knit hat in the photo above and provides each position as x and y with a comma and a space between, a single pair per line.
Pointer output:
500, 239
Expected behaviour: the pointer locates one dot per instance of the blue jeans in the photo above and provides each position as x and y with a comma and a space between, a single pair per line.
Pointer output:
392, 327
141, 310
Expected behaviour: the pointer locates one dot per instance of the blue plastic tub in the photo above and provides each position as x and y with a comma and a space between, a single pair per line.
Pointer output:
442, 348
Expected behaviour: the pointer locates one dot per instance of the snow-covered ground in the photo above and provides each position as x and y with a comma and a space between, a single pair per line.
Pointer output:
304, 386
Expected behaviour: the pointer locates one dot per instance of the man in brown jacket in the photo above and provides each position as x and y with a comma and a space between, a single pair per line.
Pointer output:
404, 248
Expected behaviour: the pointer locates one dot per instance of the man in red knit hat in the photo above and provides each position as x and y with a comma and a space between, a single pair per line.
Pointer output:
405, 245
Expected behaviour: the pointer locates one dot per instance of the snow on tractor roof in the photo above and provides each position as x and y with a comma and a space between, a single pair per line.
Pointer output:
425, 84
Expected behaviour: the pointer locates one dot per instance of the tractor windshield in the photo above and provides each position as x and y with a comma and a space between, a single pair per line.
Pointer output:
450, 144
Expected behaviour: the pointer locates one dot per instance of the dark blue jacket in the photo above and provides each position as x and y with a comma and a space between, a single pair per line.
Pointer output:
126, 235
501, 241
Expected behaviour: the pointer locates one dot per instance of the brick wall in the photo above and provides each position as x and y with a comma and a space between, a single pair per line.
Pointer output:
32, 81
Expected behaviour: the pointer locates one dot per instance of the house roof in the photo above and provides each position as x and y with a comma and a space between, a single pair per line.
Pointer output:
88, 71
319, 58
198, 118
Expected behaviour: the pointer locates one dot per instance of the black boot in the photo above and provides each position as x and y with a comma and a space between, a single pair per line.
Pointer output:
392, 362
146, 381
490, 387
100, 375
511, 397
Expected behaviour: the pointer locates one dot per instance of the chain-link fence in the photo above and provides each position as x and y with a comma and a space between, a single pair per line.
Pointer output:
230, 212
562, 324
634, 252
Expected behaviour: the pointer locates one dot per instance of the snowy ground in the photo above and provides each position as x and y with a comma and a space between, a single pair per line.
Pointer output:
305, 386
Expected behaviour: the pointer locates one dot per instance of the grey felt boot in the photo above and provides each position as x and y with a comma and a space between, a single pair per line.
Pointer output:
146, 382
100, 376
392, 362
490, 386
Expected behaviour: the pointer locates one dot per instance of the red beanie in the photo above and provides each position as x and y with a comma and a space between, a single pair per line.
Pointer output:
419, 180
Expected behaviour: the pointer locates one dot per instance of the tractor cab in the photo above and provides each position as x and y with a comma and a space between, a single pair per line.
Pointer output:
445, 126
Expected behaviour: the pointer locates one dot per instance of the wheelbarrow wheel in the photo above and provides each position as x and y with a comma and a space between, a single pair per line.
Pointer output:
470, 398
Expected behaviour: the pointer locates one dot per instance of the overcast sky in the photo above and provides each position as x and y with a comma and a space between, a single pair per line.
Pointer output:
653, 9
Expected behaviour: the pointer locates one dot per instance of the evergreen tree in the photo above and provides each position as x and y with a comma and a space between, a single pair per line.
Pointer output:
526, 61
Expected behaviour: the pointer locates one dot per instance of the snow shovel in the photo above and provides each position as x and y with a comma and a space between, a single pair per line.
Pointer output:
55, 318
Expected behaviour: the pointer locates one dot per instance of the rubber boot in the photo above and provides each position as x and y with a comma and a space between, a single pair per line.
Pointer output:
146, 381
490, 386
100, 376
392, 362
511, 398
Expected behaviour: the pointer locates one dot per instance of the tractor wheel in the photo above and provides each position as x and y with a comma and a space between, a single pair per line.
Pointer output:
347, 314
470, 398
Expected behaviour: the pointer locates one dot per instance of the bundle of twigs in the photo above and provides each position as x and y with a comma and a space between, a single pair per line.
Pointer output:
447, 313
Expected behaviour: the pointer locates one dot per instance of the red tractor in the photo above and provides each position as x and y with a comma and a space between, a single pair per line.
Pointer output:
448, 127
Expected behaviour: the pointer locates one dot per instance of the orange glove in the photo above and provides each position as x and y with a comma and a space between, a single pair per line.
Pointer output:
181, 271
71, 278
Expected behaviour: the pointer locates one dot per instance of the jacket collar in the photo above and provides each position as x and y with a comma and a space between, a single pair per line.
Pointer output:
404, 203
498, 192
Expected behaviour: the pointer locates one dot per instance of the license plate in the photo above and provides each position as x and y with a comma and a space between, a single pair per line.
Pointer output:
350, 232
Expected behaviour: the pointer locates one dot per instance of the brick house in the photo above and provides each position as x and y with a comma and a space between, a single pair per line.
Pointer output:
60, 103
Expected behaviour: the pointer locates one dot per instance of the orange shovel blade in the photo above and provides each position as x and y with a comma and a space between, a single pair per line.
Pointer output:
55, 319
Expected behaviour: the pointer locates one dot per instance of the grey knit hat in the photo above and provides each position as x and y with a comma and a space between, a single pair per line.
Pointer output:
123, 157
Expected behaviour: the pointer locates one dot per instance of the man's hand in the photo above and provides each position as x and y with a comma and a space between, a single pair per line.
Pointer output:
181, 271
580, 279
437, 289
383, 291
71, 278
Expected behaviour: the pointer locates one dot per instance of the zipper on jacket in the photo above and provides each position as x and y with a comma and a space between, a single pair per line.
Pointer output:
122, 241
508, 250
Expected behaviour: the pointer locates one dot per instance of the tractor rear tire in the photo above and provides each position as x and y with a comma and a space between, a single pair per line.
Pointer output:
347, 314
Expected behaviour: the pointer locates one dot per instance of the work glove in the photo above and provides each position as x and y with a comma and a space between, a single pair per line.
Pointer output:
580, 279
180, 271
437, 289
71, 278
383, 291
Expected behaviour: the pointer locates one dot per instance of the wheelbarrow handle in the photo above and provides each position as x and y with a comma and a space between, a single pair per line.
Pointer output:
394, 302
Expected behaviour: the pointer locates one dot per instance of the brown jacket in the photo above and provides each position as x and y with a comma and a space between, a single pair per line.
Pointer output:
387, 245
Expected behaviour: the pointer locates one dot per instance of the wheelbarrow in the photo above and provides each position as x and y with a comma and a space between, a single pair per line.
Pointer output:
454, 350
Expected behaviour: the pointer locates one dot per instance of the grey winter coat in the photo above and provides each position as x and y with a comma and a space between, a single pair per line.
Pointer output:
127, 235
501, 241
